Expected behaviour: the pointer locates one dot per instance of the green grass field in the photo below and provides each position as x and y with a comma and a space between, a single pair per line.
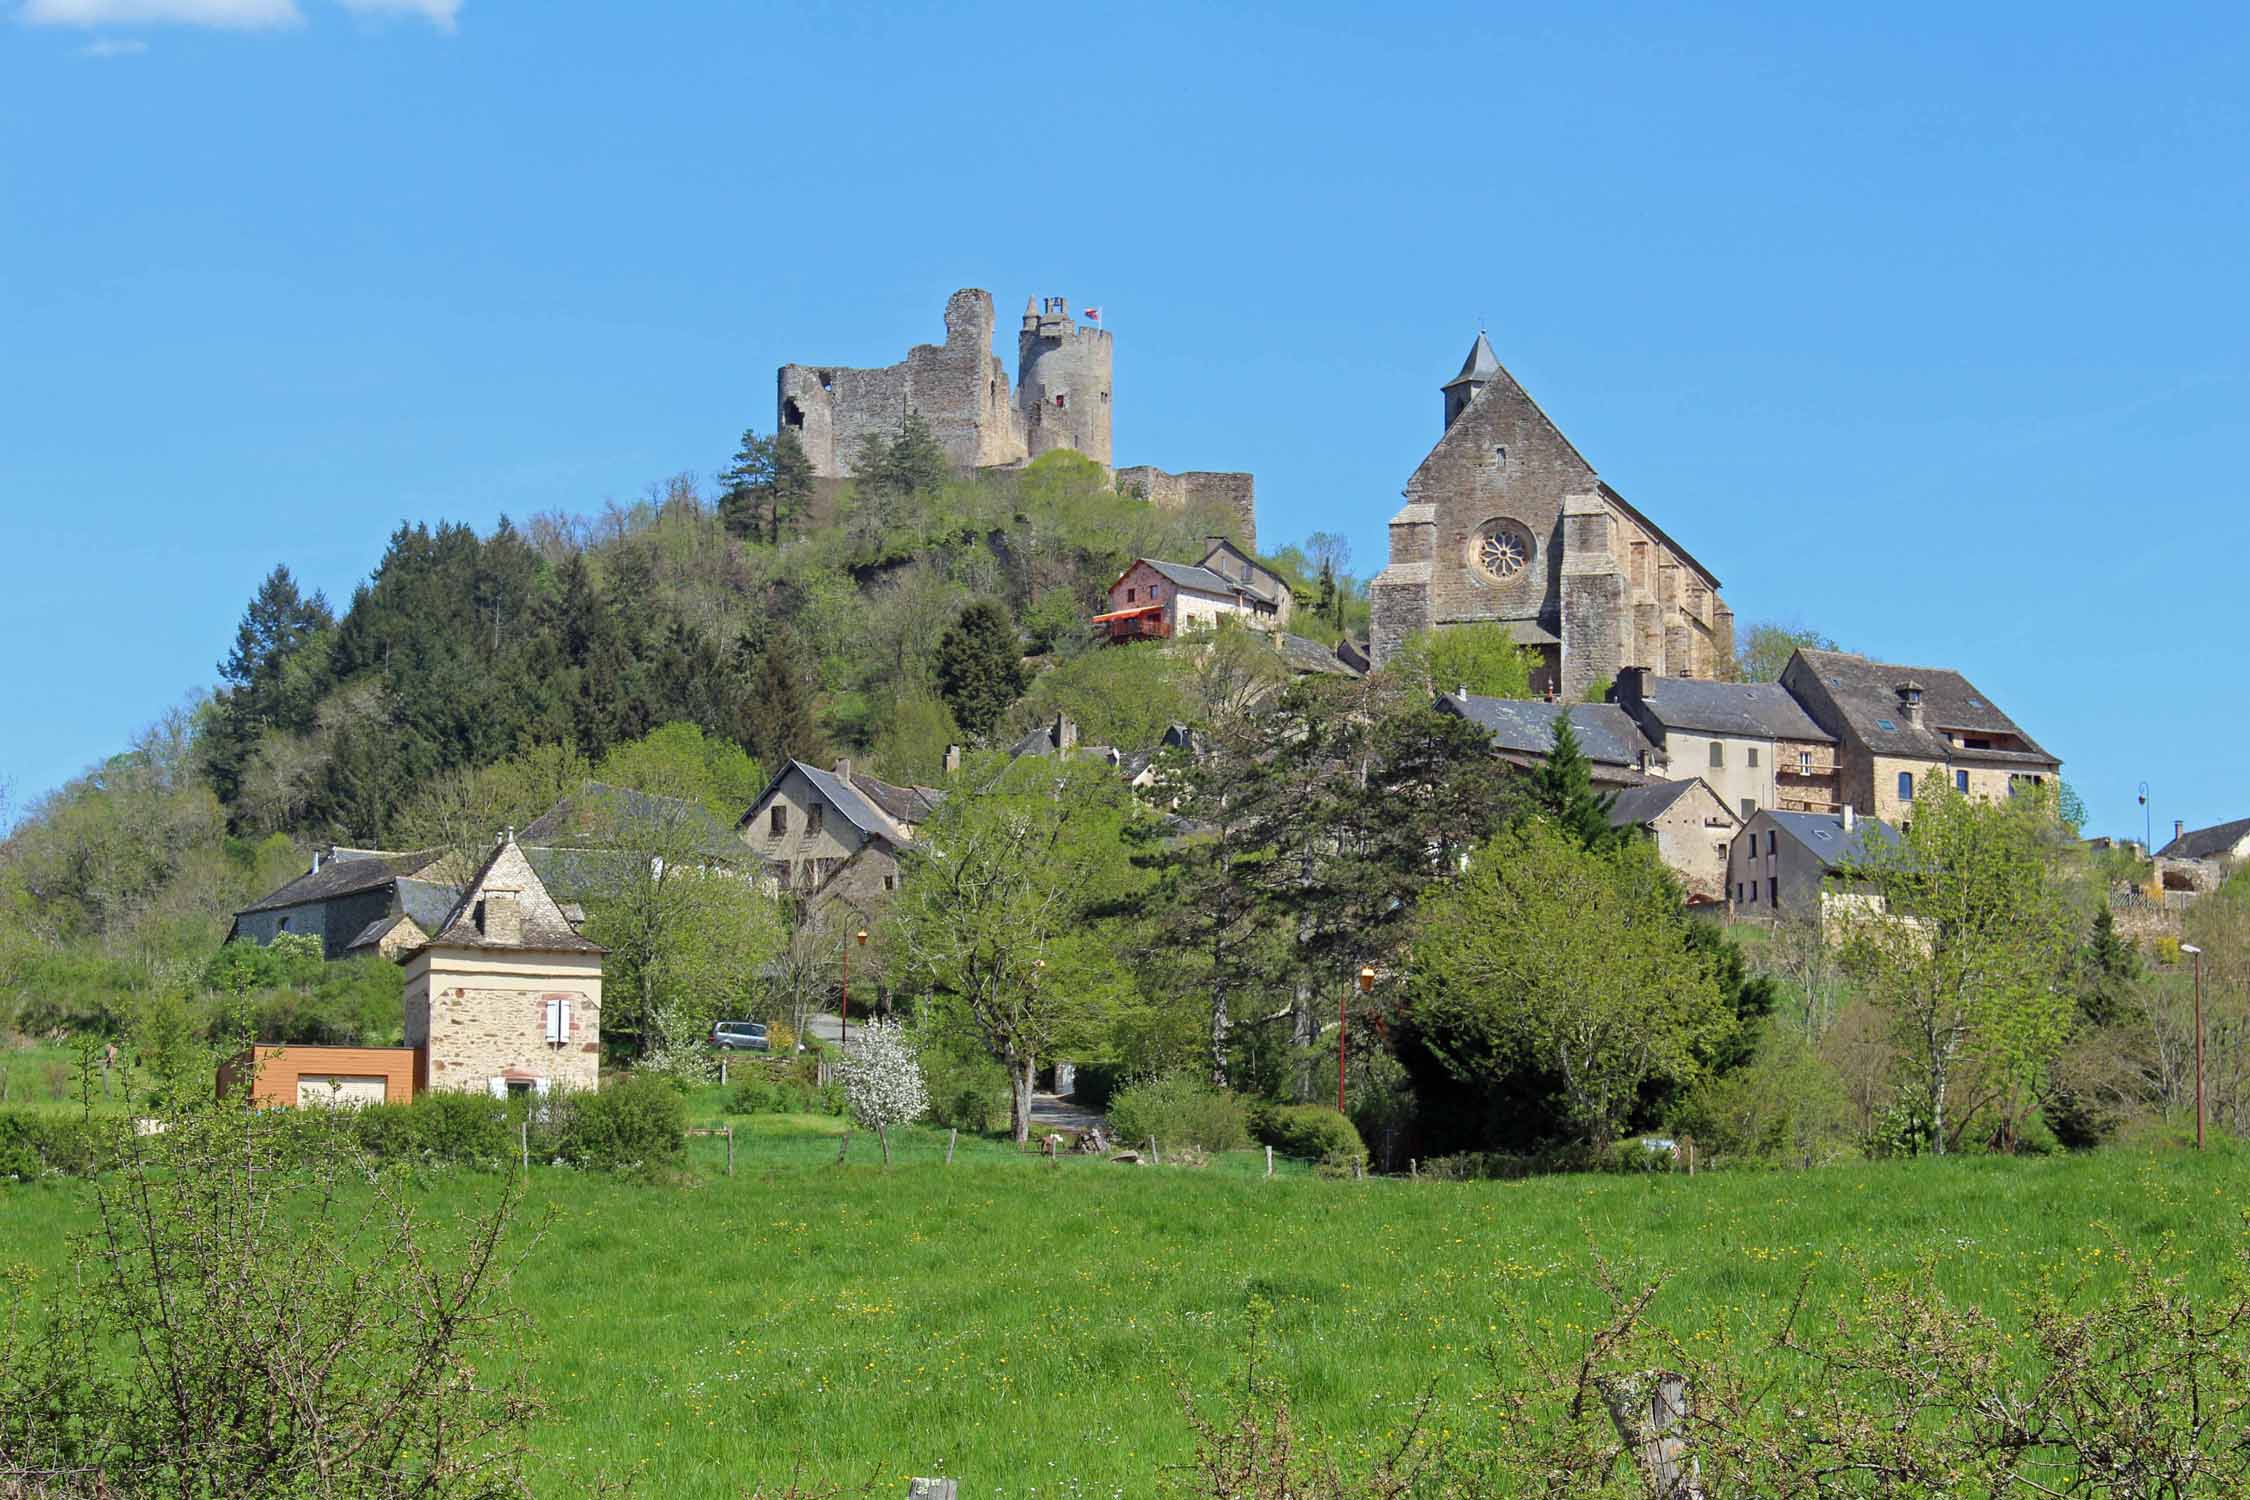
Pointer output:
1025, 1327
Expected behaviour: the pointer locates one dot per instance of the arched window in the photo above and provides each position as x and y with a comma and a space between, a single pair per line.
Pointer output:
1906, 786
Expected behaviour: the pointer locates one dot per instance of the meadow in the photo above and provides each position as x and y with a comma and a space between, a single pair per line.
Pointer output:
1028, 1328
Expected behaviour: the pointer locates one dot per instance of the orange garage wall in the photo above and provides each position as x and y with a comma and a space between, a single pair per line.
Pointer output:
280, 1068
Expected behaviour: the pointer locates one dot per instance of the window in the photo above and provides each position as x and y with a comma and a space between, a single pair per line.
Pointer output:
1749, 806
813, 817
1155, 592
1771, 838
1804, 763
1753, 893
1960, 781
1773, 891
1886, 726
1752, 753
777, 821
1131, 595
1500, 456
1718, 755
1501, 549
284, 924
890, 882
558, 1022
1906, 786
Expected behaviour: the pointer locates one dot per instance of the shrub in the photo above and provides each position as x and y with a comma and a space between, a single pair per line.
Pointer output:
1180, 1110
639, 1121
1313, 1131
33, 1145
461, 1129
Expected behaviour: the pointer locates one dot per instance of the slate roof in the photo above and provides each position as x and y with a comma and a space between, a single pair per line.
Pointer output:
1824, 834
1866, 693
1636, 805
876, 808
1750, 710
1204, 580
348, 873
544, 927
1302, 655
2204, 843
588, 819
908, 804
375, 931
1606, 733
1482, 363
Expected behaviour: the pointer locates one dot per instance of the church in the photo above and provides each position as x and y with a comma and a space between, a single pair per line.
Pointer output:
1504, 521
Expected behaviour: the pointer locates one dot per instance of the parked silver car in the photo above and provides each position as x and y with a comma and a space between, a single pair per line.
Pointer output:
739, 1036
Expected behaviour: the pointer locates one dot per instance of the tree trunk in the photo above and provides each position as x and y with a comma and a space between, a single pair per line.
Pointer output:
883, 1134
1303, 1032
1021, 1071
1221, 1024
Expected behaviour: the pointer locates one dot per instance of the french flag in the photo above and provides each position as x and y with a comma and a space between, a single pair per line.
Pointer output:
1092, 315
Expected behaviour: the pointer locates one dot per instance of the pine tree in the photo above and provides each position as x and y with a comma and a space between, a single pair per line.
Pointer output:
1564, 790
1326, 606
918, 465
780, 711
278, 622
791, 490
745, 484
980, 667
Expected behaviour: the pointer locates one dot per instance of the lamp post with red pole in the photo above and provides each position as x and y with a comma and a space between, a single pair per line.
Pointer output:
861, 937
2190, 948
1343, 1026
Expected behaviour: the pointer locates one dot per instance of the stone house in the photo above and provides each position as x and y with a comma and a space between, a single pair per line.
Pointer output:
505, 997
2199, 859
1895, 724
1153, 600
1506, 522
1785, 864
834, 836
355, 901
1523, 734
1754, 744
1693, 828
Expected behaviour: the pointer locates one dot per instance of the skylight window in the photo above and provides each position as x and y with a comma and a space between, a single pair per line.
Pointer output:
1886, 726
1822, 833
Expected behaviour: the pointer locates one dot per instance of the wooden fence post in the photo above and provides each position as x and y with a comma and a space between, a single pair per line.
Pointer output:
527, 1148
730, 1150
722, 1070
843, 1145
1647, 1408
1269, 1161
950, 1137
1152, 1156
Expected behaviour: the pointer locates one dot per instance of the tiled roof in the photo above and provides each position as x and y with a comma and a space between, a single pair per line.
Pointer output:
909, 804
1605, 732
543, 926
1754, 710
348, 874
1866, 693
1825, 835
2203, 843
1636, 805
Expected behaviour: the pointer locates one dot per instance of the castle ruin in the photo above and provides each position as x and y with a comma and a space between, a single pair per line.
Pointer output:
1060, 398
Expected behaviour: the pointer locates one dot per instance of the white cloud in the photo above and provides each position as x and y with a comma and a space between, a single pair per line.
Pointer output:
439, 13
242, 15
113, 47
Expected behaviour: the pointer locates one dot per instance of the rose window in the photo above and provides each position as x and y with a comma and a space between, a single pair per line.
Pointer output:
1503, 550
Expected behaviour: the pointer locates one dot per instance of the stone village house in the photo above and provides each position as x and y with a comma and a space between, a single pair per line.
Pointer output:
1693, 829
1753, 743
1795, 864
834, 837
1154, 600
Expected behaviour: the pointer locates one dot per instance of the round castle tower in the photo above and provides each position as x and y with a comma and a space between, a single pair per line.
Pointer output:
1062, 382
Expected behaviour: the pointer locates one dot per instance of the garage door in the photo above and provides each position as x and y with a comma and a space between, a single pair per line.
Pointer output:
342, 1090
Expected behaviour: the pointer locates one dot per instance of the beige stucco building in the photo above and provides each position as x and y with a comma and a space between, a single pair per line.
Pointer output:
506, 997
1753, 743
1692, 827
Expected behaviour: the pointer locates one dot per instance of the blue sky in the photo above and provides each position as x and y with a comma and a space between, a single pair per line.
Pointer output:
1924, 325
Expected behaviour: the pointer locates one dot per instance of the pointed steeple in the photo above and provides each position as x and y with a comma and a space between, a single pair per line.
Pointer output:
1477, 371
1481, 365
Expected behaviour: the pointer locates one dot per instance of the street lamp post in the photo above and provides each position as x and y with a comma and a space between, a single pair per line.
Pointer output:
1343, 1026
861, 937
2190, 948
2148, 824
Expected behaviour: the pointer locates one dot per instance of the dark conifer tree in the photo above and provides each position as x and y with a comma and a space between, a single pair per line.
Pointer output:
1564, 790
980, 667
780, 709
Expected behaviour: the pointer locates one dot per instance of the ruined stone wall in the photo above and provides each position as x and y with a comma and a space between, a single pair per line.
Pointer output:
1236, 495
959, 388
483, 1012
1063, 383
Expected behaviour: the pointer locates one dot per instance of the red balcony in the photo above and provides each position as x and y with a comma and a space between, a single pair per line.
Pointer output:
1144, 623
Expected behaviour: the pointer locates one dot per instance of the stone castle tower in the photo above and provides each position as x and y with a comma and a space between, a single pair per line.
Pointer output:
1062, 382
1506, 522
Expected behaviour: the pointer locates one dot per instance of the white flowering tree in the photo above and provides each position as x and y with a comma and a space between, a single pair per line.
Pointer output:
883, 1081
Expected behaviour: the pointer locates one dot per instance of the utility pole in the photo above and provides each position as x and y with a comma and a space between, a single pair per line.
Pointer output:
861, 938
2190, 948
1343, 1024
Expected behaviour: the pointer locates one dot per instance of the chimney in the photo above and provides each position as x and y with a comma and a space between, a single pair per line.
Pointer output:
1462, 691
1631, 688
1065, 733
1910, 701
2179, 828
1850, 817
952, 759
844, 770
500, 918
318, 856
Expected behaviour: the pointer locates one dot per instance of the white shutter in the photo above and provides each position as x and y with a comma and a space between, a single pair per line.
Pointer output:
558, 1022
498, 1086
539, 1086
